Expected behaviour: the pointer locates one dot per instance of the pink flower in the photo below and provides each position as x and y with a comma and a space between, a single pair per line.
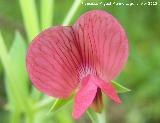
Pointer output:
81, 59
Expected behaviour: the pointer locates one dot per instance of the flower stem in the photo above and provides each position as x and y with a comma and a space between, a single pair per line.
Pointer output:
29, 118
15, 117
102, 117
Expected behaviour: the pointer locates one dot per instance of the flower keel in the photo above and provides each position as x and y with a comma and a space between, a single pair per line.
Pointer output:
89, 94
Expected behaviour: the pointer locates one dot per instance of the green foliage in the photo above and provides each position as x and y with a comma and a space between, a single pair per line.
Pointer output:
119, 88
59, 103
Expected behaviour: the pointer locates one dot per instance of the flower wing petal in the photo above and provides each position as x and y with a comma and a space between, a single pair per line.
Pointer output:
108, 89
52, 62
103, 43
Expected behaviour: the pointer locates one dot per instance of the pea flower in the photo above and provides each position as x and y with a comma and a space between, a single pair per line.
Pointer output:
80, 59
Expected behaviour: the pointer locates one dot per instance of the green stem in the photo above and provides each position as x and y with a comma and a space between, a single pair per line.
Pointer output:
43, 104
102, 117
15, 117
92, 115
29, 117
46, 13
98, 117
30, 17
71, 12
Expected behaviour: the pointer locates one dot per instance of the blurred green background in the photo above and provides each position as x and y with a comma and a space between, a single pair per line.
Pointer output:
20, 102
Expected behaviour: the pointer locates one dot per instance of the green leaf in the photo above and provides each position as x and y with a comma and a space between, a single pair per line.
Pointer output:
9, 81
59, 103
17, 54
5, 61
14, 87
3, 51
119, 87
92, 115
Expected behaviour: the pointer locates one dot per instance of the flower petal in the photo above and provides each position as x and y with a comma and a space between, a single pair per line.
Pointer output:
53, 61
108, 89
84, 96
103, 43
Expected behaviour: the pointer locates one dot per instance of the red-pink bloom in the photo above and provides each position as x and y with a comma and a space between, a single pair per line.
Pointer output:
82, 58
